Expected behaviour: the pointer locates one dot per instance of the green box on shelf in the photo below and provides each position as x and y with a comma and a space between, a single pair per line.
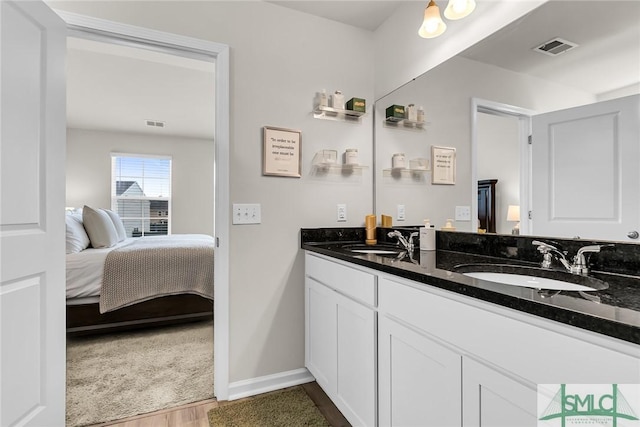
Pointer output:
395, 113
357, 104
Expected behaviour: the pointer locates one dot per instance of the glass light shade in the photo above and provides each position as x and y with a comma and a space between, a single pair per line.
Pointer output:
513, 213
433, 25
458, 9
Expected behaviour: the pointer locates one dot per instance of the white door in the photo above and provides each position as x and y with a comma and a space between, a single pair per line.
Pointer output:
32, 232
585, 174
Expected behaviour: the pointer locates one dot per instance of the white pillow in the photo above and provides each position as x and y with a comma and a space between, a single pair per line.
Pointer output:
100, 228
117, 223
77, 239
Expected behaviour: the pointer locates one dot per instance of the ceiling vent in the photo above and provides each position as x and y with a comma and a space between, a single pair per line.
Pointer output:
555, 47
154, 123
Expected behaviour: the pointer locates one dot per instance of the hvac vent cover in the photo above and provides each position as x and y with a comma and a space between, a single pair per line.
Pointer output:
154, 123
555, 47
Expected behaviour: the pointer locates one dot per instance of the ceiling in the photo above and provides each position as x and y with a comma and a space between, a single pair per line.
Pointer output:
607, 33
114, 87
367, 15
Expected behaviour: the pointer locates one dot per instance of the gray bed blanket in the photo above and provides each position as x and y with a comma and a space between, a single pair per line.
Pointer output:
154, 266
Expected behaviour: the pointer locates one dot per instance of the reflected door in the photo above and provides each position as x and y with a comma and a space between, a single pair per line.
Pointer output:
585, 175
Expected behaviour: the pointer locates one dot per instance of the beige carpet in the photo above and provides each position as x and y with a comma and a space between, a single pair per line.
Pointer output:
286, 408
120, 375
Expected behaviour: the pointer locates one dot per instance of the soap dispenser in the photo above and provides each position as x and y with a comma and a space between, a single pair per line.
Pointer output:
427, 237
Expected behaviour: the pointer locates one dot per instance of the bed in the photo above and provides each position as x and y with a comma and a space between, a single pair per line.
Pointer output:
117, 283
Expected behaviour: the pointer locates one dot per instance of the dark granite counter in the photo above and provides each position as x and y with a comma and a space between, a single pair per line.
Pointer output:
616, 315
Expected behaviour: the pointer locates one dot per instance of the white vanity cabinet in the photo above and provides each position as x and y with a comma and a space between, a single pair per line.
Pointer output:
440, 358
419, 379
493, 398
340, 339
497, 355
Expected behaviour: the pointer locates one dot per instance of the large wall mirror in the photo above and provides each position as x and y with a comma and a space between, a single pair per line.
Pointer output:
483, 104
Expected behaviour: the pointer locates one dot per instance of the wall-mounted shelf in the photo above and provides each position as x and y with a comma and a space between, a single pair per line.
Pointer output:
334, 168
404, 123
329, 113
404, 173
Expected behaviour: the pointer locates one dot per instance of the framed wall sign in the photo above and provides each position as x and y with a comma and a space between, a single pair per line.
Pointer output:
443, 165
281, 152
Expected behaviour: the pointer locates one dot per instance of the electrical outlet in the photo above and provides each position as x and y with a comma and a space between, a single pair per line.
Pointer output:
463, 213
400, 216
342, 213
247, 213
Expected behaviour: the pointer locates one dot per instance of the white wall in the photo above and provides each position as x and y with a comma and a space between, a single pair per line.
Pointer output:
89, 173
446, 93
279, 59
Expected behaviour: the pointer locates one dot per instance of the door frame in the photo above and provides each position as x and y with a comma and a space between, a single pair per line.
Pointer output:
115, 32
524, 116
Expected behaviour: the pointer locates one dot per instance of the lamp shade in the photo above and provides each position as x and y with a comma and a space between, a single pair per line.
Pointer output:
432, 25
458, 9
513, 213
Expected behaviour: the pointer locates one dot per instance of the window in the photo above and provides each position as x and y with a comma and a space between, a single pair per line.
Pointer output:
141, 193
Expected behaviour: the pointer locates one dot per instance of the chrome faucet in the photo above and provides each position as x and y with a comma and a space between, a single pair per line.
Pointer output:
579, 265
407, 243
548, 253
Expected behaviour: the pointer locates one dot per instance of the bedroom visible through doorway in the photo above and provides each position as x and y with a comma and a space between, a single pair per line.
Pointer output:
142, 100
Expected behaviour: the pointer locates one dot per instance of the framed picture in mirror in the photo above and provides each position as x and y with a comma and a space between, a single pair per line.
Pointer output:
443, 169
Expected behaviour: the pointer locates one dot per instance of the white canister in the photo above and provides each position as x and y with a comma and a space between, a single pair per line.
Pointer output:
337, 100
398, 161
351, 156
412, 112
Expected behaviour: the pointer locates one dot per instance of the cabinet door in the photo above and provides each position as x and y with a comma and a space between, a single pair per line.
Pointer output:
419, 379
356, 369
492, 398
320, 334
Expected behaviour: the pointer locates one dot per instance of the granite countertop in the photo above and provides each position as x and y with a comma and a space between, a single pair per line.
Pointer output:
616, 315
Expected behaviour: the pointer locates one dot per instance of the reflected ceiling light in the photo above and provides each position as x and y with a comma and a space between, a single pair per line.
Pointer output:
458, 9
433, 25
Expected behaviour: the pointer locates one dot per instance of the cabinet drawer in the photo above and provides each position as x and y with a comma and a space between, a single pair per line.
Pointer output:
354, 283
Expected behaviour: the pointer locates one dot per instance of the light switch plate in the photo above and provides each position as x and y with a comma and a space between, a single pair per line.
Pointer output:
401, 212
247, 213
463, 213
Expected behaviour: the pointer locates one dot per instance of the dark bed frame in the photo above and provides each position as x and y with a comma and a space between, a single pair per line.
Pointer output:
86, 319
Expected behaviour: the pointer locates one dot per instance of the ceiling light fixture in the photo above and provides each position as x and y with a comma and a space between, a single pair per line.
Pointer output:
458, 9
433, 25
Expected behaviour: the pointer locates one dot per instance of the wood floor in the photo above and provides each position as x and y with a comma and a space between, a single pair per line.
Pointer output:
195, 414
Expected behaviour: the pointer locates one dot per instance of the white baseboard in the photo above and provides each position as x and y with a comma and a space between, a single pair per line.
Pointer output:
253, 386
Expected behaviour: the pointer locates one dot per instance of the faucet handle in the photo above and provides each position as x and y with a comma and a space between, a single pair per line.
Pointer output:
543, 247
592, 248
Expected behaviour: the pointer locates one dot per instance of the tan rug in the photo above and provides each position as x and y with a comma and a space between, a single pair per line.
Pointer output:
121, 375
286, 408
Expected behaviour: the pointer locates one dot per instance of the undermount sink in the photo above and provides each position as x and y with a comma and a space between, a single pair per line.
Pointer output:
532, 277
529, 281
378, 249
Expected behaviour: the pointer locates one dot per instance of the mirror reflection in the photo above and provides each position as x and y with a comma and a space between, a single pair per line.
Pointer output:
485, 102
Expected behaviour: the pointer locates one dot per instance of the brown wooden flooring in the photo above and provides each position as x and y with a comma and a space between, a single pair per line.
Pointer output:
195, 414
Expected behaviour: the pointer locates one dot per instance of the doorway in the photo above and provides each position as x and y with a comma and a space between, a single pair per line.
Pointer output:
508, 152
96, 29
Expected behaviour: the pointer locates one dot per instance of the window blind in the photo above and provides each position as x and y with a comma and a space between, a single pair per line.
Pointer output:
141, 193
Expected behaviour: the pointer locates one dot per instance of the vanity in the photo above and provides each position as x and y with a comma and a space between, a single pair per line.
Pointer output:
407, 340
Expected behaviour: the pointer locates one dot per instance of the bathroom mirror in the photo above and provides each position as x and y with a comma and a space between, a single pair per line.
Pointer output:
479, 102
